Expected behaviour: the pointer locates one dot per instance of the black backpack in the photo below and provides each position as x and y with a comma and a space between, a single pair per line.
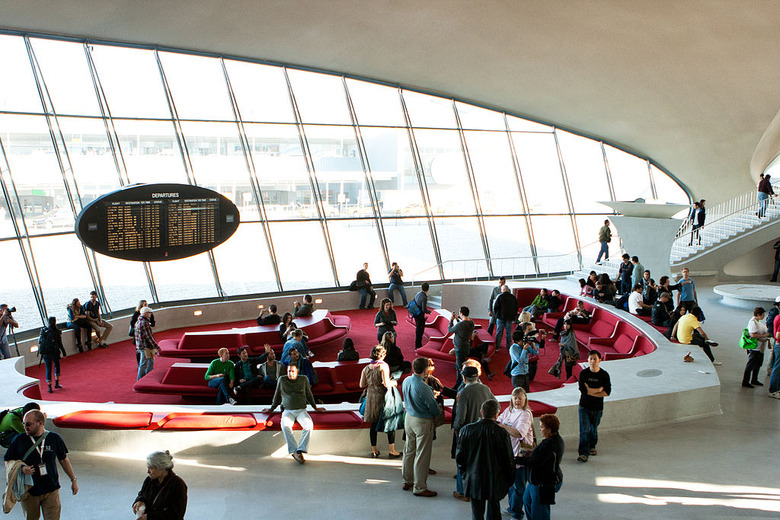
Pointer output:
46, 344
770, 319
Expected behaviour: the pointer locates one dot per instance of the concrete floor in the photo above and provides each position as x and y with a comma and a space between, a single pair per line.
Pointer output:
718, 467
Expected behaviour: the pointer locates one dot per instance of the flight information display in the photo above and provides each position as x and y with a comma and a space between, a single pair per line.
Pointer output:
157, 222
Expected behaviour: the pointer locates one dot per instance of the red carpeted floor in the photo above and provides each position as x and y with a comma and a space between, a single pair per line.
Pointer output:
104, 375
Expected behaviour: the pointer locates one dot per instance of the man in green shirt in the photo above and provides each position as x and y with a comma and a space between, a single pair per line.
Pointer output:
221, 375
293, 393
11, 424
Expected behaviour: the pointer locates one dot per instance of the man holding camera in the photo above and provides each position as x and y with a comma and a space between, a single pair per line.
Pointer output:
6, 319
92, 308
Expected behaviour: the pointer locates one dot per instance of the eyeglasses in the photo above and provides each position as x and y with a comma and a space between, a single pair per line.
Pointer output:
29, 423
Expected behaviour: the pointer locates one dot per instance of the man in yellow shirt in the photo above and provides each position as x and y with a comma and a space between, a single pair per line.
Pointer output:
688, 331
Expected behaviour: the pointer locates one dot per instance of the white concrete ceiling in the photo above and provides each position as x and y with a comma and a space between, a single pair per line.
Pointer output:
691, 83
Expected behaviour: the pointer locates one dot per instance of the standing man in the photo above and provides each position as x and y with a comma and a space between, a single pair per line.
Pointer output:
594, 387
637, 272
366, 289
421, 408
462, 327
6, 319
493, 295
625, 271
293, 393
764, 192
38, 449
776, 247
605, 237
505, 309
468, 402
396, 283
522, 348
144, 342
92, 308
421, 300
686, 292
697, 217
484, 456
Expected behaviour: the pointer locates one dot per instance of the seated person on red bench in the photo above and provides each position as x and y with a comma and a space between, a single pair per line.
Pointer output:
478, 351
394, 357
304, 367
538, 306
348, 352
555, 301
271, 319
221, 375
636, 304
660, 314
296, 342
294, 393
271, 370
577, 315
302, 311
247, 371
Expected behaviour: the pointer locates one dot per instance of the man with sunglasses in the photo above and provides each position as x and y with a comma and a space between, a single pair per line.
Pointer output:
38, 449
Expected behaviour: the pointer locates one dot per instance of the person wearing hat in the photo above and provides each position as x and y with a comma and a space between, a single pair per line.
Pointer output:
466, 410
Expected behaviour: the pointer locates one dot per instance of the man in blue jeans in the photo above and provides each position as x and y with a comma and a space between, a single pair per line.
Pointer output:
605, 237
505, 311
594, 387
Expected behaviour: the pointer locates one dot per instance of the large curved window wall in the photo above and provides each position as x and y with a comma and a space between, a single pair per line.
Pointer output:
328, 172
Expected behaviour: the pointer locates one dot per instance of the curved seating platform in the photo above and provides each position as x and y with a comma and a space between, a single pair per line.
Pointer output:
322, 328
747, 296
439, 341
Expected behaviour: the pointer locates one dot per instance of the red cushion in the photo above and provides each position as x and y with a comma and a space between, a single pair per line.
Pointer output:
322, 421
208, 421
349, 375
104, 420
539, 408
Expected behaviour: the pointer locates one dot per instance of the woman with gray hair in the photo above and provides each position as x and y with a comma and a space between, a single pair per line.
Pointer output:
163, 495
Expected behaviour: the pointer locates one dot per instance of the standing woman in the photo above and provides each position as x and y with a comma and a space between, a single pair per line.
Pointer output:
545, 477
375, 378
163, 494
518, 421
570, 351
49, 348
385, 320
758, 330
133, 320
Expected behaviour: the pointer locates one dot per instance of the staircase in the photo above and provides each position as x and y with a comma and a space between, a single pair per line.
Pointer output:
725, 223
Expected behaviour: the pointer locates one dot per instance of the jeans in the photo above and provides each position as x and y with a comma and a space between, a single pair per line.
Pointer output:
533, 506
777, 269
515, 495
289, 417
364, 293
604, 251
48, 362
763, 200
755, 360
492, 324
222, 385
521, 381
504, 326
400, 289
478, 509
460, 358
774, 379
5, 348
145, 366
419, 328
589, 430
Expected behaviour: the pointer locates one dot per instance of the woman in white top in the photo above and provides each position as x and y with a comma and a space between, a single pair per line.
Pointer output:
758, 330
518, 420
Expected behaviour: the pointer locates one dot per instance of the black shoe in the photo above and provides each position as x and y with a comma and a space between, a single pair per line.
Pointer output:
79, 347
756, 383
58, 385
50, 390
747, 385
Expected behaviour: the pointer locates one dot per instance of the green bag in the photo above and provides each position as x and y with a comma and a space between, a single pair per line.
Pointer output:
747, 342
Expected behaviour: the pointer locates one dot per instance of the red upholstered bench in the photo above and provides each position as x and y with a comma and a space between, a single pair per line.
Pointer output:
551, 318
208, 421
601, 326
105, 420
322, 421
620, 342
325, 331
525, 295
439, 348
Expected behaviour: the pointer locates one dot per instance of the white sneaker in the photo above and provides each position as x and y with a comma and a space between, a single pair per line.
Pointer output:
716, 363
232, 401
774, 395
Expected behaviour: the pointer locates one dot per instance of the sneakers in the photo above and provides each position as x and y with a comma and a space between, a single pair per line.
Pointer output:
716, 363
236, 389
582, 458
232, 401
774, 395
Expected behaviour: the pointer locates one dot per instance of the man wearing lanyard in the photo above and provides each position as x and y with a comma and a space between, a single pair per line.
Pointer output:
38, 449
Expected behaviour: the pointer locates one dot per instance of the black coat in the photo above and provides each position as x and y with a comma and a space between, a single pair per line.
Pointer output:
506, 307
485, 458
166, 500
544, 463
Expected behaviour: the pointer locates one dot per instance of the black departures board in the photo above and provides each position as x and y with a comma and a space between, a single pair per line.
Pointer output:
157, 222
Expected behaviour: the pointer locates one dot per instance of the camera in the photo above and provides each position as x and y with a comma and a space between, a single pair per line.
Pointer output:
10, 309
531, 337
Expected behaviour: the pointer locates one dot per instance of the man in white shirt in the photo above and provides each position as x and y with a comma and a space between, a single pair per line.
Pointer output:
636, 304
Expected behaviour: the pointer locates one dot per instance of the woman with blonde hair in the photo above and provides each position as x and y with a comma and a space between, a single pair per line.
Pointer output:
375, 378
518, 421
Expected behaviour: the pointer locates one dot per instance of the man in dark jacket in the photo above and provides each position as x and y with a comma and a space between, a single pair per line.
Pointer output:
505, 310
484, 456
462, 327
544, 465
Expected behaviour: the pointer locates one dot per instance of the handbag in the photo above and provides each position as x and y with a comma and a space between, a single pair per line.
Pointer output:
414, 309
747, 342
555, 370
150, 353
508, 368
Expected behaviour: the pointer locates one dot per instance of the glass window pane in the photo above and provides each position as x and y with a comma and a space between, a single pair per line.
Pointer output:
461, 247
67, 76
301, 255
541, 172
218, 163
51, 254
90, 156
186, 279
197, 86
409, 244
584, 162
355, 242
124, 282
478, 118
320, 97
510, 249
630, 177
243, 262
18, 91
339, 171
667, 189
393, 172
36, 173
491, 161
517, 124
429, 111
131, 82
376, 104
445, 172
150, 151
261, 92
281, 169
17, 290
554, 241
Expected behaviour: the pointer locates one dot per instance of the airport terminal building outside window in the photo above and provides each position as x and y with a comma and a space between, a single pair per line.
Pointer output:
327, 171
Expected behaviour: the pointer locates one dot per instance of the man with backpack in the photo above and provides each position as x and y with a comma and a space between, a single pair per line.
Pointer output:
418, 308
11, 422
